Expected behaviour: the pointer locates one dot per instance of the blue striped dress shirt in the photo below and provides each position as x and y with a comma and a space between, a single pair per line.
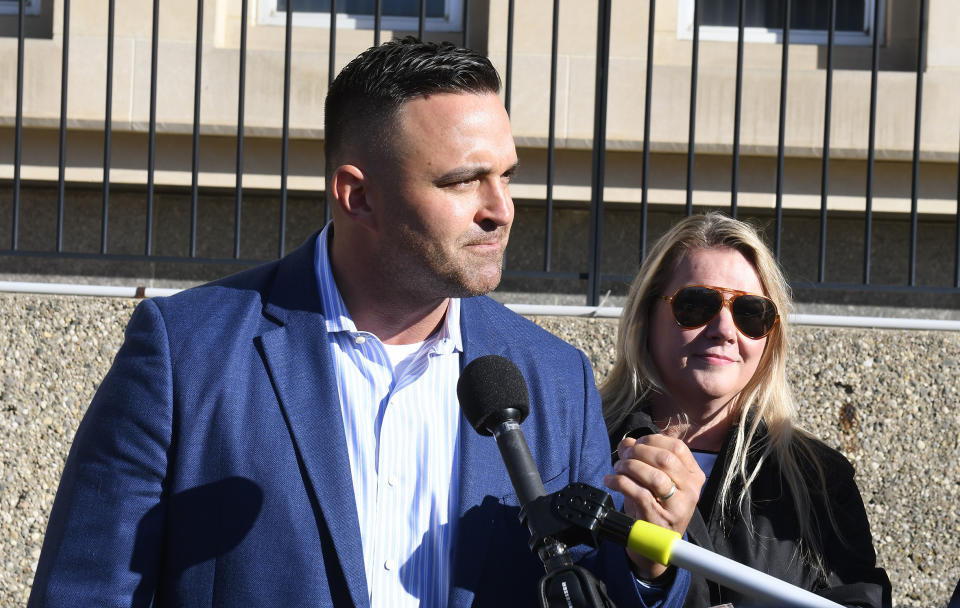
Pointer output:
401, 427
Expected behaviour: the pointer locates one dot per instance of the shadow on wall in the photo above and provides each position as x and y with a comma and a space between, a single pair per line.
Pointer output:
620, 258
800, 250
171, 237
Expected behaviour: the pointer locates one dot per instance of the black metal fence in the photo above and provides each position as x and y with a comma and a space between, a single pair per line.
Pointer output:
592, 274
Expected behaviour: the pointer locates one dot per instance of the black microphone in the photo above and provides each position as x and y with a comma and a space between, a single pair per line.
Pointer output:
493, 396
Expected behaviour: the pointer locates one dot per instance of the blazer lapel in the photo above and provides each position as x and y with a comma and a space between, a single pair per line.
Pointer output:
477, 484
300, 365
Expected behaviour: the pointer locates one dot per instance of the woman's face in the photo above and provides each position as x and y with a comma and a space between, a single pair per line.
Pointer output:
704, 368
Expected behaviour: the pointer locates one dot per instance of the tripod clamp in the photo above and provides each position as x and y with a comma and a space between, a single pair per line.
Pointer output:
576, 515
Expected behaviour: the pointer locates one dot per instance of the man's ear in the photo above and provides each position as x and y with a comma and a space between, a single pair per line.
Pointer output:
348, 185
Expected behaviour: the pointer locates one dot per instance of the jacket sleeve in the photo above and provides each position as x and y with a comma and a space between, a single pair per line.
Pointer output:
853, 577
103, 541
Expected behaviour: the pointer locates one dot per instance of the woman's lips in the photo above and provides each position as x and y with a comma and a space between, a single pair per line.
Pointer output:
715, 358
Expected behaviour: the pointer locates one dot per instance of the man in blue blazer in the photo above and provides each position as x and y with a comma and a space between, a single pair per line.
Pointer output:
239, 451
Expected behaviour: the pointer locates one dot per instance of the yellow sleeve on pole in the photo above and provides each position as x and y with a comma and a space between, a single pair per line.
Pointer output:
652, 541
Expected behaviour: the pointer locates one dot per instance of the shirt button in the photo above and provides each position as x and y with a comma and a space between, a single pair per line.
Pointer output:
361, 340
389, 564
392, 481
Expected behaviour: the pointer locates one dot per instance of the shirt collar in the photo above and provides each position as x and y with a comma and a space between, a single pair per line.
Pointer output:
337, 317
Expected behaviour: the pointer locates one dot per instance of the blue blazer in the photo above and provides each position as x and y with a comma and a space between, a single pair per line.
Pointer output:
211, 468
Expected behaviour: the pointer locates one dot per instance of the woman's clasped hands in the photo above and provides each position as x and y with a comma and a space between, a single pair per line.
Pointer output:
660, 482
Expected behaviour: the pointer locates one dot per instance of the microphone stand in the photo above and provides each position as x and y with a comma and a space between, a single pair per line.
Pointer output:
565, 585
494, 398
580, 514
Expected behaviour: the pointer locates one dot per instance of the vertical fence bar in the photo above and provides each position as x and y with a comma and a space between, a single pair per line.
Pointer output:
331, 72
107, 127
62, 156
692, 129
915, 182
466, 24
871, 148
152, 137
647, 101
825, 166
195, 167
551, 138
241, 96
737, 105
508, 84
782, 128
422, 19
285, 137
377, 21
18, 131
508, 76
956, 265
332, 54
599, 151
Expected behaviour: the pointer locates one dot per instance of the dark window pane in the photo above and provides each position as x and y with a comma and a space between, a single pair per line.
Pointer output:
804, 14
391, 8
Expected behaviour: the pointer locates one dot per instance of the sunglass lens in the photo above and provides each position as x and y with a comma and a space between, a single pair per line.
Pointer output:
754, 315
696, 306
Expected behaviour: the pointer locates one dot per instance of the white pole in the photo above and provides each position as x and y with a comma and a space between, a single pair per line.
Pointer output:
743, 578
68, 289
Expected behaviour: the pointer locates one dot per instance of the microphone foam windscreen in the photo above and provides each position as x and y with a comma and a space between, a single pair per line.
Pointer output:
489, 385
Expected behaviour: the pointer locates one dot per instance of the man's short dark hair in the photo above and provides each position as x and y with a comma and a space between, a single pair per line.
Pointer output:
369, 91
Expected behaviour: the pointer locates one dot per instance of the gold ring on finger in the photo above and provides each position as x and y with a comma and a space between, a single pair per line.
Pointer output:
668, 495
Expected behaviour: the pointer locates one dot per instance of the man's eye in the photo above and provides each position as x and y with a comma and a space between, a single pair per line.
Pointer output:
462, 183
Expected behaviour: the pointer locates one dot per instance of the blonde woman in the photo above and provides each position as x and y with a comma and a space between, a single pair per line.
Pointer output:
699, 414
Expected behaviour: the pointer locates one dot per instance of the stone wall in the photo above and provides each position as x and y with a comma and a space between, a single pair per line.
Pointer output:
886, 398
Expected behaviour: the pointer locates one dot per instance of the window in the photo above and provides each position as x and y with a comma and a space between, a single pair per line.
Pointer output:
12, 7
763, 20
442, 15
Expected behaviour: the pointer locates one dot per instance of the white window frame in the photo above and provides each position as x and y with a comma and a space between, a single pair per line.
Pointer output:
775, 35
12, 7
452, 21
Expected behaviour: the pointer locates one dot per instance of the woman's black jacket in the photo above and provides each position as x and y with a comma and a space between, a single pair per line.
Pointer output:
766, 535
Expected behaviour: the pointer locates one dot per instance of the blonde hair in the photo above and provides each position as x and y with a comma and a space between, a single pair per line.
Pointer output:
765, 399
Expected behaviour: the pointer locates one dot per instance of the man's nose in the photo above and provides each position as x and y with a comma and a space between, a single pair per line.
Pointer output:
496, 206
